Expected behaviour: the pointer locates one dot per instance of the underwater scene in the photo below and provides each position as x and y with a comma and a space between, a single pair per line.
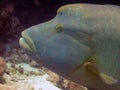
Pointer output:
59, 44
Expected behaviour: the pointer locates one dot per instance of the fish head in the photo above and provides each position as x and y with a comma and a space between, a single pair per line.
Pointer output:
59, 45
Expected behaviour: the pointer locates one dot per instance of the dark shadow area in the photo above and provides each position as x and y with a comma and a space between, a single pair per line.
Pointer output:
30, 12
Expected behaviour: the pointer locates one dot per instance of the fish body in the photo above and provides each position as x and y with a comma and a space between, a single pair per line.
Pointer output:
82, 43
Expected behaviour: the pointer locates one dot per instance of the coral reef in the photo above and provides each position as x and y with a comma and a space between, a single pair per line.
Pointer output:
2, 49
6, 87
31, 83
33, 64
63, 83
9, 23
3, 66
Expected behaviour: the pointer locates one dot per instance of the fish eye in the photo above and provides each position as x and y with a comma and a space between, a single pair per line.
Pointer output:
59, 28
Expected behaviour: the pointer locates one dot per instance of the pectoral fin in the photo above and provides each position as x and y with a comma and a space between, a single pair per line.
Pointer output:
94, 70
107, 79
91, 68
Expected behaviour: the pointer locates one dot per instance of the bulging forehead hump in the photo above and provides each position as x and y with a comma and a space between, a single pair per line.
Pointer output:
70, 9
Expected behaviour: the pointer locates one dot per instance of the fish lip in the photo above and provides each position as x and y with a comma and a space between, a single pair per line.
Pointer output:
24, 45
27, 43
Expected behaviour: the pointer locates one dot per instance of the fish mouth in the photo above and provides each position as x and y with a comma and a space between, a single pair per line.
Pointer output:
27, 43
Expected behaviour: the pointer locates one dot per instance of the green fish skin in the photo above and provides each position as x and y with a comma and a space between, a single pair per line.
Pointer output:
82, 43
